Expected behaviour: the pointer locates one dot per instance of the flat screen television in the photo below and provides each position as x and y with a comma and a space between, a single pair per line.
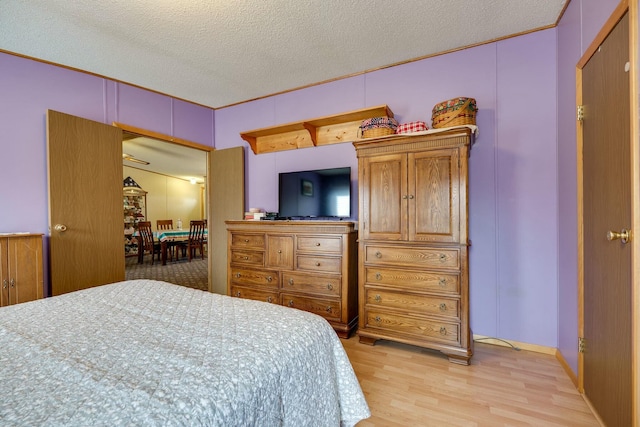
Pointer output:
315, 194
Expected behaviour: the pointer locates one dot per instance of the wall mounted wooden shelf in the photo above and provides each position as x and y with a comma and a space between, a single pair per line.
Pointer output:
327, 130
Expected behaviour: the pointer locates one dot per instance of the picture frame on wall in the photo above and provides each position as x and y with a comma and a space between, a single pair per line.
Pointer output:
307, 188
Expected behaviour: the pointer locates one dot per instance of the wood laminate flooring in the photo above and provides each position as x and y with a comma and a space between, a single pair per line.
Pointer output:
410, 386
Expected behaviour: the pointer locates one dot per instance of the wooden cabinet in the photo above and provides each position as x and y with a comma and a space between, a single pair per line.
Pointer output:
413, 245
308, 265
135, 210
20, 268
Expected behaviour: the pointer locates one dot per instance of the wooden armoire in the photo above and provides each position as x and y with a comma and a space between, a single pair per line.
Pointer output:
413, 241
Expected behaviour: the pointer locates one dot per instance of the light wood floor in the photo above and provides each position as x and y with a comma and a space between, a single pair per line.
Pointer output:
410, 386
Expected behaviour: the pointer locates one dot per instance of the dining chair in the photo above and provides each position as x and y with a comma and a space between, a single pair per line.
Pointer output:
146, 242
167, 224
196, 238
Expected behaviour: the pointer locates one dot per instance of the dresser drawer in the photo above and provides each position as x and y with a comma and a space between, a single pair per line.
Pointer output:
421, 304
414, 280
445, 258
311, 283
241, 240
255, 294
320, 244
247, 257
319, 264
447, 332
240, 276
327, 308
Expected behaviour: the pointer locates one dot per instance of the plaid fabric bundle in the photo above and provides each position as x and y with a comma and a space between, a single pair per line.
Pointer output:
412, 127
379, 122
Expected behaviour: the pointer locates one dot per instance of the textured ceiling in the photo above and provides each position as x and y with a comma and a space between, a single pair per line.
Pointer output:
221, 52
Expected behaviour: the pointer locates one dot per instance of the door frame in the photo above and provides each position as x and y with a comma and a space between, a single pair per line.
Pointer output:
632, 8
186, 143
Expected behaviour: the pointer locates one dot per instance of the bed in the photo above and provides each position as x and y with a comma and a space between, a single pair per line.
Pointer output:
149, 353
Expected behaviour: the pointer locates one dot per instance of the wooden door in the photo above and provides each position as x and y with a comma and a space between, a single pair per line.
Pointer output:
607, 374
280, 251
434, 196
226, 202
85, 203
384, 197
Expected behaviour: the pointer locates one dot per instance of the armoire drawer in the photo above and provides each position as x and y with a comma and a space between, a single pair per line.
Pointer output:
421, 304
311, 283
255, 294
240, 240
444, 258
321, 244
414, 280
247, 257
266, 278
330, 309
434, 330
319, 264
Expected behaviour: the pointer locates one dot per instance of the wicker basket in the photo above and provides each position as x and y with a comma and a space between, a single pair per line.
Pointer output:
378, 126
377, 132
454, 112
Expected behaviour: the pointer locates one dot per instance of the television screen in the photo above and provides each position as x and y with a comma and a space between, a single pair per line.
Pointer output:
315, 194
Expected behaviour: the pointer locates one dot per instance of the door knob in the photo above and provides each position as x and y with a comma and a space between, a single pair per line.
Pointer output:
623, 235
60, 227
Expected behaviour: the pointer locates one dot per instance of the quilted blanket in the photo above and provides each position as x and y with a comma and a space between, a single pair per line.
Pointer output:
149, 353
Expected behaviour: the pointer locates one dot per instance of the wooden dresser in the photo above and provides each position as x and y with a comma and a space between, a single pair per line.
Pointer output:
413, 241
308, 265
20, 268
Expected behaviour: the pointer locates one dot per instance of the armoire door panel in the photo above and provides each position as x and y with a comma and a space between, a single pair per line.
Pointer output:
434, 197
386, 196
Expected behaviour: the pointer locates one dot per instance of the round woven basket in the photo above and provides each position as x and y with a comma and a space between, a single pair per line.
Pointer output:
377, 132
455, 112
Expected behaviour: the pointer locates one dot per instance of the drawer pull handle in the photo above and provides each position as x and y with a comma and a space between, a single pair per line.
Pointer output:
405, 197
269, 278
5, 283
246, 240
443, 257
411, 196
246, 258
378, 298
317, 264
279, 251
378, 319
378, 276
290, 303
291, 282
443, 307
443, 330
318, 244
329, 286
442, 282
238, 294
238, 275
328, 309
269, 299
378, 254
12, 282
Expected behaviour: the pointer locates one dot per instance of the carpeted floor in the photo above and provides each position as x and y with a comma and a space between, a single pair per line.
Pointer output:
192, 274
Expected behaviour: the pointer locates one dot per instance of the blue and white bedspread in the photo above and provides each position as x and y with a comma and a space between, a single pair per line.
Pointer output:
149, 353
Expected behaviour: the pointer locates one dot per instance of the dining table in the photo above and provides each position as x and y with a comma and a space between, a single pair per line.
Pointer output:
166, 236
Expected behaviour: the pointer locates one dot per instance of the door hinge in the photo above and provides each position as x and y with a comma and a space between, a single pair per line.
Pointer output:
580, 113
581, 344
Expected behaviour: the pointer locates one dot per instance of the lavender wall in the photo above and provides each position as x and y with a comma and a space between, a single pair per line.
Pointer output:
29, 88
513, 179
579, 26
